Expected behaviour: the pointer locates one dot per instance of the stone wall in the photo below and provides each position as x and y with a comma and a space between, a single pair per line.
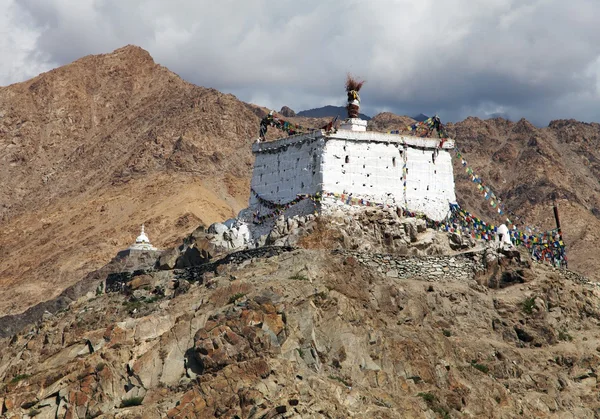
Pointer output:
374, 170
429, 268
285, 169
429, 182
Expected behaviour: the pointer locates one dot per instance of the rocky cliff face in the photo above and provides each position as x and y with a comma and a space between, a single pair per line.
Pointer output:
312, 332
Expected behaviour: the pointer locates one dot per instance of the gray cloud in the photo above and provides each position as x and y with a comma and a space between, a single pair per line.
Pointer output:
538, 59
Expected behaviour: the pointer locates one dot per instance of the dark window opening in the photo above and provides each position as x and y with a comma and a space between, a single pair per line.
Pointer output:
394, 161
347, 159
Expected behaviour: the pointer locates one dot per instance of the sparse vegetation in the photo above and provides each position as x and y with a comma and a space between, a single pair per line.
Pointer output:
528, 305
434, 404
133, 401
300, 352
153, 299
100, 366
447, 333
19, 377
236, 297
563, 335
139, 303
299, 277
132, 305
382, 403
33, 412
483, 368
428, 397
321, 295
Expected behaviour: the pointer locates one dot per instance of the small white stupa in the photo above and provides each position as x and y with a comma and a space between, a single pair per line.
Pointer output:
142, 242
503, 236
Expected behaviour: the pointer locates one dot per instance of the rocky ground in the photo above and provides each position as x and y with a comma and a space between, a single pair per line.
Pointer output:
316, 331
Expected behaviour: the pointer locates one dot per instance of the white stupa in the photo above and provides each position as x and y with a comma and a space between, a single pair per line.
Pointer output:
503, 236
142, 242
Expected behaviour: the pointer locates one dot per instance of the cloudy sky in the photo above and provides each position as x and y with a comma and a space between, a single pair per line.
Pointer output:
538, 59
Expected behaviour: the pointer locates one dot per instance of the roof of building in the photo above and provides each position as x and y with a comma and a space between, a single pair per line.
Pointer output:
358, 136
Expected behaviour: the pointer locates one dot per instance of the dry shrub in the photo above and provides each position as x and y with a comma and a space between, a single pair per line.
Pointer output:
221, 296
323, 237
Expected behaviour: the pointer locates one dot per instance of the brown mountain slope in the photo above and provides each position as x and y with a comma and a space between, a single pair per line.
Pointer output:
91, 150
525, 166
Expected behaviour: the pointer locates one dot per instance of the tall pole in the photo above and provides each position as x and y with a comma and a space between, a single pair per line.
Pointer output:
556, 218
562, 256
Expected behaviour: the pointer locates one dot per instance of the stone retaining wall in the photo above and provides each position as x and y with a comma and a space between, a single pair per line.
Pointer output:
429, 268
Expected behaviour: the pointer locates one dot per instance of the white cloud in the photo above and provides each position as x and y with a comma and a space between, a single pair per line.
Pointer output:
21, 58
528, 58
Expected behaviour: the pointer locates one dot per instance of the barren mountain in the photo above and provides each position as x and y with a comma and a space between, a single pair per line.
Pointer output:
368, 316
93, 149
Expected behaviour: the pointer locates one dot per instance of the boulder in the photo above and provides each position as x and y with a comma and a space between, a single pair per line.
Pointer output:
192, 256
217, 229
455, 241
421, 225
140, 281
181, 287
239, 336
168, 259
410, 227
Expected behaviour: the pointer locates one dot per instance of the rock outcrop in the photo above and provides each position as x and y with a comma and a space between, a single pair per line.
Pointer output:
311, 333
287, 112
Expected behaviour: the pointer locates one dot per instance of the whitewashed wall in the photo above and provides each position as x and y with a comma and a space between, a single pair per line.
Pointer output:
367, 165
429, 184
369, 170
285, 169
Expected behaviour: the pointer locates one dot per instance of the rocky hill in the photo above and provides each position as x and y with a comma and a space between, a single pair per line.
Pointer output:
366, 316
319, 331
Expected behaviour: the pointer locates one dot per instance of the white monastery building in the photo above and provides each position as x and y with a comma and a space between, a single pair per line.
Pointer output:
410, 172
